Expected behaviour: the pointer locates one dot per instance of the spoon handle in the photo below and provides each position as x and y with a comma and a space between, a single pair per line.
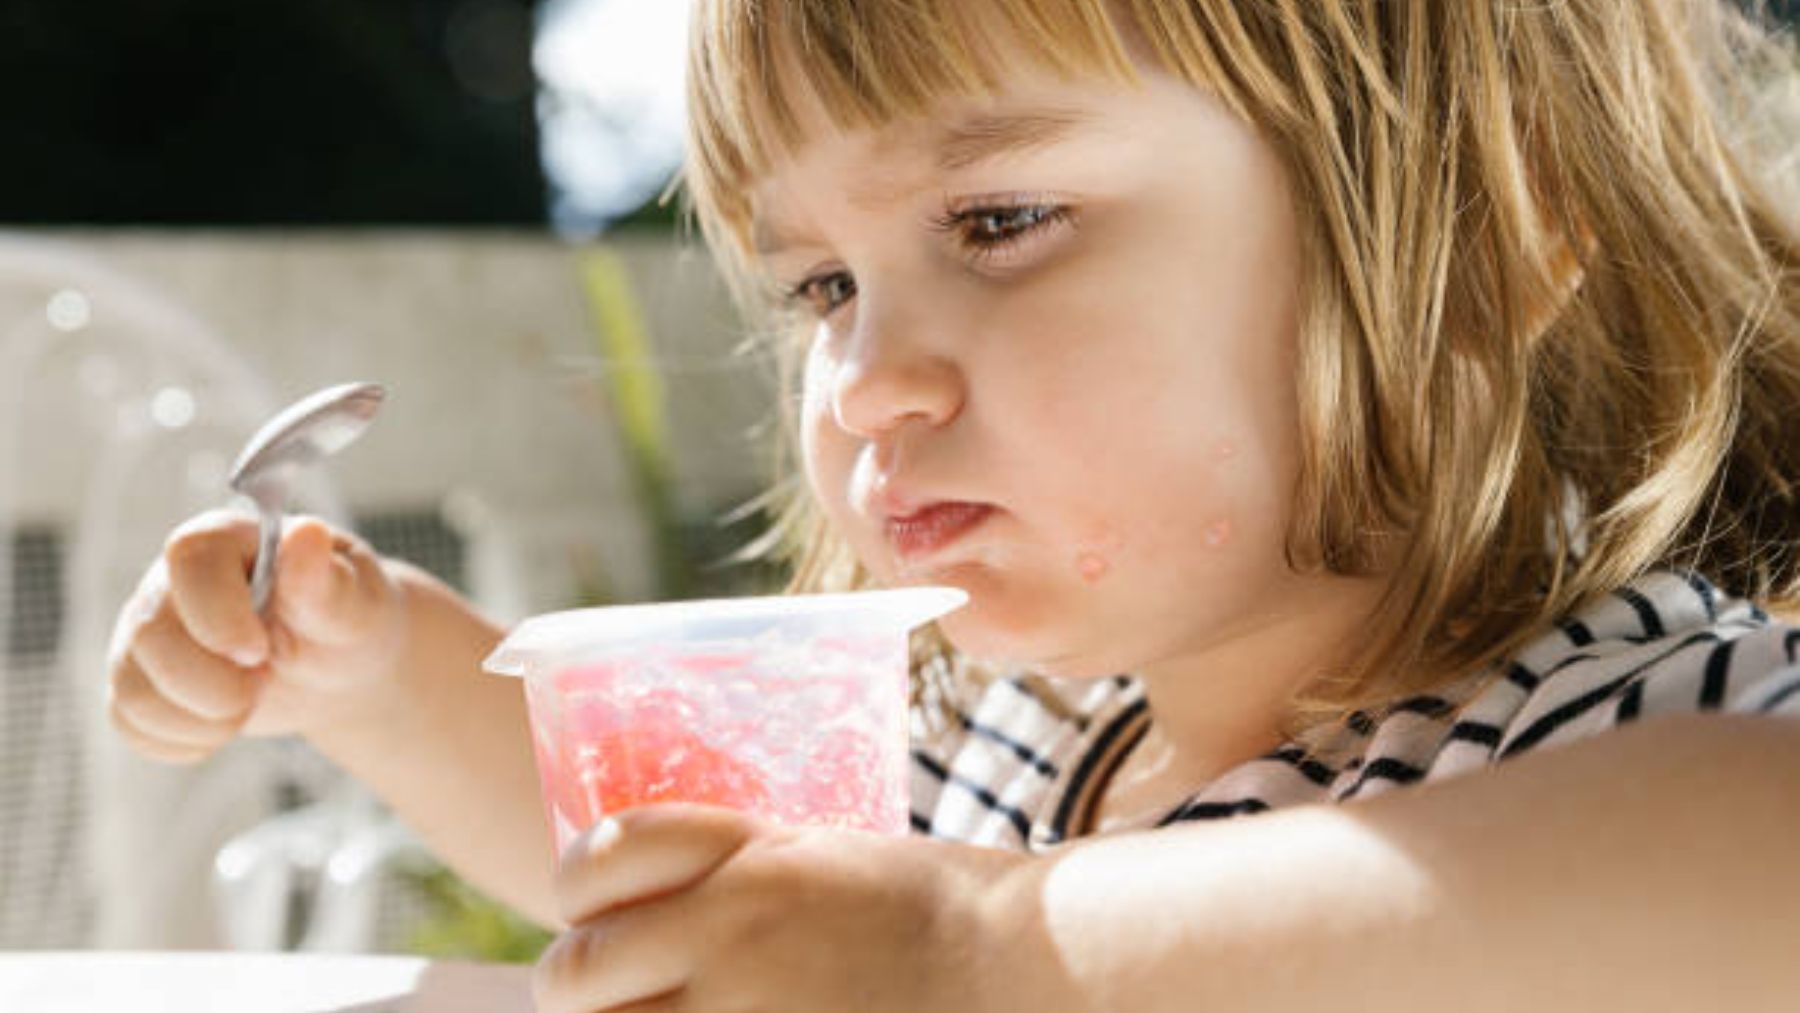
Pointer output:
262, 579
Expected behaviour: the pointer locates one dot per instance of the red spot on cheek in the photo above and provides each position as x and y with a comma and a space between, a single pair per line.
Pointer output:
1094, 560
1092, 566
1217, 533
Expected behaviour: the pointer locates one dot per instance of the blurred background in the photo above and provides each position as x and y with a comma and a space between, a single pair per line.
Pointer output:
209, 209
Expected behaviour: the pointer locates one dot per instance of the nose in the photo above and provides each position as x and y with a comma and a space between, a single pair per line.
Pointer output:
884, 378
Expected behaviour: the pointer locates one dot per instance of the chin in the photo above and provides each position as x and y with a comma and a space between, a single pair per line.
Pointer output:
1010, 643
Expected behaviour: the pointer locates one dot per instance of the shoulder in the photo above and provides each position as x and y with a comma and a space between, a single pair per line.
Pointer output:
1666, 643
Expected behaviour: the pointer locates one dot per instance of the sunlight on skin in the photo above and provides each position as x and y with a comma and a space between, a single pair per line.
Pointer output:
1246, 869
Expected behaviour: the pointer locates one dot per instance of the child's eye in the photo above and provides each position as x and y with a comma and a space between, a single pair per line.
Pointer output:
985, 232
822, 293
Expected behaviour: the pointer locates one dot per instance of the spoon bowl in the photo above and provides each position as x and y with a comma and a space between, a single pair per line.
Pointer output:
306, 432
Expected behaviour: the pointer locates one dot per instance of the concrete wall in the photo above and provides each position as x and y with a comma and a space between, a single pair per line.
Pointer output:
134, 364
498, 402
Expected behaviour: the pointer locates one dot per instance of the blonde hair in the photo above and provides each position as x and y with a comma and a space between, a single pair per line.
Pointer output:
1506, 447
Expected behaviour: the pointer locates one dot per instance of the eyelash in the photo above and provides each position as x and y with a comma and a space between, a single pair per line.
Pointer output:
981, 251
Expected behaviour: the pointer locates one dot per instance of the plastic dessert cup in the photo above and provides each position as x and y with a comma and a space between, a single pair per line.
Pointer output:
792, 708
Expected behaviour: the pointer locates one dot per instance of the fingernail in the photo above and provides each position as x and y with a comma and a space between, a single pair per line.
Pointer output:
247, 658
602, 835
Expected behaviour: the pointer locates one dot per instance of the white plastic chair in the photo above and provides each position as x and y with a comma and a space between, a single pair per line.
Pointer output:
322, 879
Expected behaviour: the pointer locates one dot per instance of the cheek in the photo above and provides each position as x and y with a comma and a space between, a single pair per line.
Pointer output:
828, 458
816, 428
1178, 480
825, 455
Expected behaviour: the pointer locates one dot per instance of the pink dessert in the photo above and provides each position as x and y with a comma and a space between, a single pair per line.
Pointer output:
801, 736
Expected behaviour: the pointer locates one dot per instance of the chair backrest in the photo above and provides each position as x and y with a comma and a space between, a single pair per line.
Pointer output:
119, 411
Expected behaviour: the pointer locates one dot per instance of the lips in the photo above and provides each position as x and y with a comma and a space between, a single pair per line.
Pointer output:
934, 527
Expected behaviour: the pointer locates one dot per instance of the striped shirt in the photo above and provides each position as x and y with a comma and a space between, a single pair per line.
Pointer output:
1024, 767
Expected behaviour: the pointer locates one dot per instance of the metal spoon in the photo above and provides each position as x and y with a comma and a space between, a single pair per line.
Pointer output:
307, 431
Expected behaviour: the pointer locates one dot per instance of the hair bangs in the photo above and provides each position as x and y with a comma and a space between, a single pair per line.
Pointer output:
764, 76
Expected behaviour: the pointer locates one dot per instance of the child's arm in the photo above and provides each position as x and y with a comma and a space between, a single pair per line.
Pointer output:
1645, 869
374, 662
448, 747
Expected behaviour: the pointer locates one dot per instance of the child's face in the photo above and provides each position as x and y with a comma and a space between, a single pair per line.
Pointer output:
1060, 377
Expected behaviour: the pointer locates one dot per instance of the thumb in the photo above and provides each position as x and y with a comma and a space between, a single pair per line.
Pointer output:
327, 585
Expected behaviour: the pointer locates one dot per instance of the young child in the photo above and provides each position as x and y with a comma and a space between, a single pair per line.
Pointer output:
1341, 414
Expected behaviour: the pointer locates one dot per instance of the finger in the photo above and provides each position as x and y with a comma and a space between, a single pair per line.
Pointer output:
644, 853
328, 585
209, 560
147, 710
149, 595
147, 745
189, 675
637, 960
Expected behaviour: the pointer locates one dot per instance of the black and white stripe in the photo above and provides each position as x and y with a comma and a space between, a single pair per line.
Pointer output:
1017, 768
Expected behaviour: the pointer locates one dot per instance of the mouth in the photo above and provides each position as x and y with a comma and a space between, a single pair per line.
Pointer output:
934, 528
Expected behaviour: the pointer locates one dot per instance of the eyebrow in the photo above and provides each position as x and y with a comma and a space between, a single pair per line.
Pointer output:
991, 135
969, 142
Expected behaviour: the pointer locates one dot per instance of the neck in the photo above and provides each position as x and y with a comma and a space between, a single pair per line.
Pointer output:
1230, 700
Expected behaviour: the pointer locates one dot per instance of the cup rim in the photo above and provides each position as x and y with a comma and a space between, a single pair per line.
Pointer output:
574, 631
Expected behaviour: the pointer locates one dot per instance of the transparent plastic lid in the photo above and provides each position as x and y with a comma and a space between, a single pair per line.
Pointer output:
787, 618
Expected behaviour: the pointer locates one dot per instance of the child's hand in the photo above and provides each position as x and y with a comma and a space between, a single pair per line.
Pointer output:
192, 665
699, 909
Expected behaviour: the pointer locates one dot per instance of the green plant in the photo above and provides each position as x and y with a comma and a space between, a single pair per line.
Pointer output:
464, 924
695, 554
